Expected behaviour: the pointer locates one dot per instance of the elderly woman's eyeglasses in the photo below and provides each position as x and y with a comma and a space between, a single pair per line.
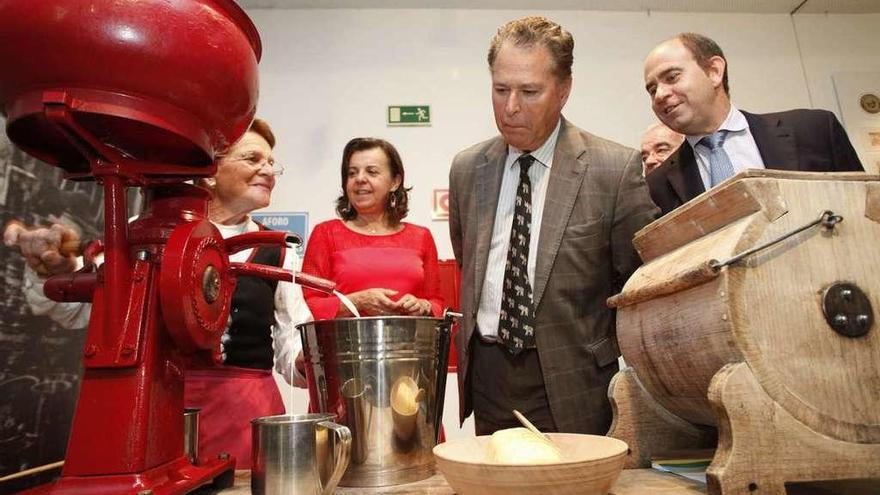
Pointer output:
256, 162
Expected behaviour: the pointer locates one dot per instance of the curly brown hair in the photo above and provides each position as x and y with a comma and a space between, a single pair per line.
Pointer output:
397, 205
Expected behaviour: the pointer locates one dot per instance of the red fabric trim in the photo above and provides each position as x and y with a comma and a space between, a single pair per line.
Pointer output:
228, 399
405, 261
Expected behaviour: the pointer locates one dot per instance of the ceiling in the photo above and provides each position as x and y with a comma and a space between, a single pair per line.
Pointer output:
741, 6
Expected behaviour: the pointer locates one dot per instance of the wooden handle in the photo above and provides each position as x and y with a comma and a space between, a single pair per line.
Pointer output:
528, 424
691, 278
33, 470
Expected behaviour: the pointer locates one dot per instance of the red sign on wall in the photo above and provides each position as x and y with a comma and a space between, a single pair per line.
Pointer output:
440, 208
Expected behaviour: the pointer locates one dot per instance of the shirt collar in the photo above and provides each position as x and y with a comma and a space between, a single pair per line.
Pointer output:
735, 122
543, 155
231, 230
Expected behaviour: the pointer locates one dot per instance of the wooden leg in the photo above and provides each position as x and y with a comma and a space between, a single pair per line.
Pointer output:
761, 446
646, 426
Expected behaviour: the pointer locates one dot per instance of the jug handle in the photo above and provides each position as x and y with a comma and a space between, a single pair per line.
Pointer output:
341, 455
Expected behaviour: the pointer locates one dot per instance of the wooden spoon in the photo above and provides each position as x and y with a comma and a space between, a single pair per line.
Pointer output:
528, 424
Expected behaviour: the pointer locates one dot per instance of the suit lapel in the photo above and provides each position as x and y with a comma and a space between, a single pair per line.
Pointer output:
775, 141
684, 174
566, 174
488, 186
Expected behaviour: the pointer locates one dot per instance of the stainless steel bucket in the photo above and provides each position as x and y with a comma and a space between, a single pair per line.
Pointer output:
384, 378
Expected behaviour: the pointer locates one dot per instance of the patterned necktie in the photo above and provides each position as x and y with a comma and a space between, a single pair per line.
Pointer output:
720, 167
516, 324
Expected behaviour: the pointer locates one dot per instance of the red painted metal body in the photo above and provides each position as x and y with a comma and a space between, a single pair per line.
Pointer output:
136, 94
127, 433
167, 82
450, 283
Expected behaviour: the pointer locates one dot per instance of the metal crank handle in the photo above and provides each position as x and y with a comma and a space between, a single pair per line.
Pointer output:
450, 315
828, 219
250, 240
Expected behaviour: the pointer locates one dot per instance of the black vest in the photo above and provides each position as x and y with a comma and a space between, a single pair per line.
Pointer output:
248, 343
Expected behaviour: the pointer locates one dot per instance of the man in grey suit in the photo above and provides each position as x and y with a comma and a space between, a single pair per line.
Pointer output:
541, 221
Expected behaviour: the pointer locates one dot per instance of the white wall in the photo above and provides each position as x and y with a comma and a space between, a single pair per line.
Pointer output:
328, 75
836, 43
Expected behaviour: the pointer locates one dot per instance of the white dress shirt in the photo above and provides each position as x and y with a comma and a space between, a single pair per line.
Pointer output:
539, 174
739, 145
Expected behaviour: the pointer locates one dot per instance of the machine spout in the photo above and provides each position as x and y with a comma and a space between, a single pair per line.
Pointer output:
313, 282
280, 274
270, 238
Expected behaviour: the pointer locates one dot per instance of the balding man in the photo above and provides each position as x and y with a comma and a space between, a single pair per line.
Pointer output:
686, 77
658, 142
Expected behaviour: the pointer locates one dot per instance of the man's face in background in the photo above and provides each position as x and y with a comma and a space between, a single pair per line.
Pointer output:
658, 142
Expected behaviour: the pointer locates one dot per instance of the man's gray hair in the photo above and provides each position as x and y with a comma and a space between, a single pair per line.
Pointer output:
531, 31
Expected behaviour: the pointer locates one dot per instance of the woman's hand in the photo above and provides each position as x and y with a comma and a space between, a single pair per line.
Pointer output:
413, 306
375, 302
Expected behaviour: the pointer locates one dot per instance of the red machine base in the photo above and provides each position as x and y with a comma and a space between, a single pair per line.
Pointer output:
175, 478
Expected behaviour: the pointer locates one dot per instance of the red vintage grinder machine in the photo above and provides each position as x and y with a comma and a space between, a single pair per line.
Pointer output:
139, 94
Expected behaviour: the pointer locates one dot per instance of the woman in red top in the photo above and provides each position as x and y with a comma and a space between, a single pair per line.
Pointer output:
384, 266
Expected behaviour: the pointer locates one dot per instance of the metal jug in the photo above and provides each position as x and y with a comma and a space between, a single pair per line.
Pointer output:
298, 454
191, 434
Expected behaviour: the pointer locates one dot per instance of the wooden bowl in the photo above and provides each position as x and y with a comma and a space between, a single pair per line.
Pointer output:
590, 465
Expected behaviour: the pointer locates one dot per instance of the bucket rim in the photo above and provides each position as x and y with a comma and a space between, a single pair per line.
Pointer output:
288, 419
371, 318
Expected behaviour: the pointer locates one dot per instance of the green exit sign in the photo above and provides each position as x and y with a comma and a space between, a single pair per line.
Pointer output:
409, 115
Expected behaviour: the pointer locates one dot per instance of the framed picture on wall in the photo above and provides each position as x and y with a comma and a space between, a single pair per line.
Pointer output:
858, 101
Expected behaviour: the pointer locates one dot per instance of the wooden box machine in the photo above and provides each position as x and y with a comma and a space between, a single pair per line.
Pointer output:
754, 316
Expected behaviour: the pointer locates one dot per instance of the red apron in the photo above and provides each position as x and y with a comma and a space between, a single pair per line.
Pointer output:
229, 398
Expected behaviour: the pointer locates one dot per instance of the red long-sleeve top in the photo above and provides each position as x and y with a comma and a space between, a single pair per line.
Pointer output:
405, 261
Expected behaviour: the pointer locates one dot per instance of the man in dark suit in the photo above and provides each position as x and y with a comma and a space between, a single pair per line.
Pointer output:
686, 77
541, 221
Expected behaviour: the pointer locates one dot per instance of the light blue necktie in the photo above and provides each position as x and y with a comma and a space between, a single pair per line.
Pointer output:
720, 167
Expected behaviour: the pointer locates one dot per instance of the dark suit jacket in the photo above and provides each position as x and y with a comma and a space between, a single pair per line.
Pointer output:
596, 201
802, 140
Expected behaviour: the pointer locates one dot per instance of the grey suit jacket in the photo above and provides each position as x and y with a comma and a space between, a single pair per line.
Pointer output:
596, 201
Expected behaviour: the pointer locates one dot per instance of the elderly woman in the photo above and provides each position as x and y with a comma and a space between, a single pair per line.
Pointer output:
261, 325
383, 265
